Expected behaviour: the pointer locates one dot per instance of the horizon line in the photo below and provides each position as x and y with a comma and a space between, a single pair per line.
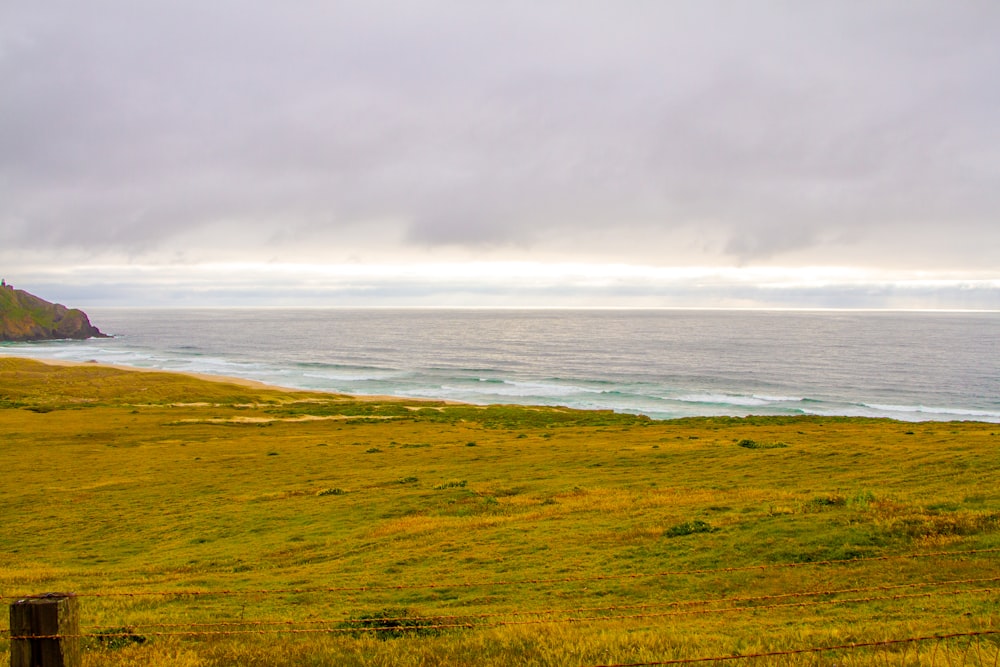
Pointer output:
565, 308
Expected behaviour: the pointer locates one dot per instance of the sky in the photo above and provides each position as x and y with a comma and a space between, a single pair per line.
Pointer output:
562, 153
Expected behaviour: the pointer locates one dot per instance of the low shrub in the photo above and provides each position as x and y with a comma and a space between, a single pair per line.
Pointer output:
391, 624
831, 500
753, 444
688, 528
451, 484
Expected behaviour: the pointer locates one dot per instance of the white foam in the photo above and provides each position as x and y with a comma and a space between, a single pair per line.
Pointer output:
779, 399
722, 399
515, 388
922, 409
348, 377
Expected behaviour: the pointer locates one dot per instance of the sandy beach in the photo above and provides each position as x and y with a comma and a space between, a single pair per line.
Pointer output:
225, 379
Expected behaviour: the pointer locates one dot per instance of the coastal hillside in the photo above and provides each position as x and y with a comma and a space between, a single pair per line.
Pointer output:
215, 524
26, 317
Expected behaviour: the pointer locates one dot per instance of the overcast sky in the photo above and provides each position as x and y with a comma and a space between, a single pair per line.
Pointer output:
579, 153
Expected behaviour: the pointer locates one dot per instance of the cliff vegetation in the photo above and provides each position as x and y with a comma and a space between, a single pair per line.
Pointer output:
26, 317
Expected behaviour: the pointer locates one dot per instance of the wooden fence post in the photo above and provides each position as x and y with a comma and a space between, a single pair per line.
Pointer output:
48, 615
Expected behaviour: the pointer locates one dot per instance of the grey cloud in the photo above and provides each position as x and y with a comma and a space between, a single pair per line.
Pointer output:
770, 129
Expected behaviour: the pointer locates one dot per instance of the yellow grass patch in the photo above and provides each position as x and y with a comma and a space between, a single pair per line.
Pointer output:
552, 537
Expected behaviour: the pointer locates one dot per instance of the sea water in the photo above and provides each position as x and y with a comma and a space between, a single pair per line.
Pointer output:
661, 363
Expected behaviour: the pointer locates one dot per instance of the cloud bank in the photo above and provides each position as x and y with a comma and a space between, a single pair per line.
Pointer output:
159, 136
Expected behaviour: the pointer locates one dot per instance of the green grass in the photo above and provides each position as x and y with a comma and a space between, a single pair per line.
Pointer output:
15, 308
561, 538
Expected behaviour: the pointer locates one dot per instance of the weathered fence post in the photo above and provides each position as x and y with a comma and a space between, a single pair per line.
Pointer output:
52, 615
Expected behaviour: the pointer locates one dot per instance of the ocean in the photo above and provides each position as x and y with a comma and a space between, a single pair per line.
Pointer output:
661, 363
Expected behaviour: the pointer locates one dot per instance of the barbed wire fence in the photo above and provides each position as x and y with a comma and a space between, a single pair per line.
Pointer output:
985, 588
527, 581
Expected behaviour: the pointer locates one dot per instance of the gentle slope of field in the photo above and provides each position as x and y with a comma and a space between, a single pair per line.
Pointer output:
548, 536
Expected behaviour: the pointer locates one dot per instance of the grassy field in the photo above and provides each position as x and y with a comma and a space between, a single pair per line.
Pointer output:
218, 524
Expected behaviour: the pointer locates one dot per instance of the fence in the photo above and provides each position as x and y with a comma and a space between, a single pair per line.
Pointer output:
44, 629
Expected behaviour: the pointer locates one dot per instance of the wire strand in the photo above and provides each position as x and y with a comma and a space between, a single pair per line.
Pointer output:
811, 649
608, 608
468, 625
517, 582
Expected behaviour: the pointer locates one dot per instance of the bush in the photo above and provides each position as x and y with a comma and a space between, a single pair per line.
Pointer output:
451, 484
753, 444
688, 528
831, 500
391, 624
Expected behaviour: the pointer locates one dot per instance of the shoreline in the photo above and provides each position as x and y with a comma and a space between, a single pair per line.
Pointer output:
915, 414
227, 379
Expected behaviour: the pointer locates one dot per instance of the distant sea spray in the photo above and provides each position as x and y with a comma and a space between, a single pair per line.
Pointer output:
662, 363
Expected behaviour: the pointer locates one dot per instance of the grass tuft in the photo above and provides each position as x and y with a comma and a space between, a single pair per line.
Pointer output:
114, 639
688, 528
391, 623
452, 484
753, 444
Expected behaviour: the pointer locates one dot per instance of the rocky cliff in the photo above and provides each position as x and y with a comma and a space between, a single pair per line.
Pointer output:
25, 317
